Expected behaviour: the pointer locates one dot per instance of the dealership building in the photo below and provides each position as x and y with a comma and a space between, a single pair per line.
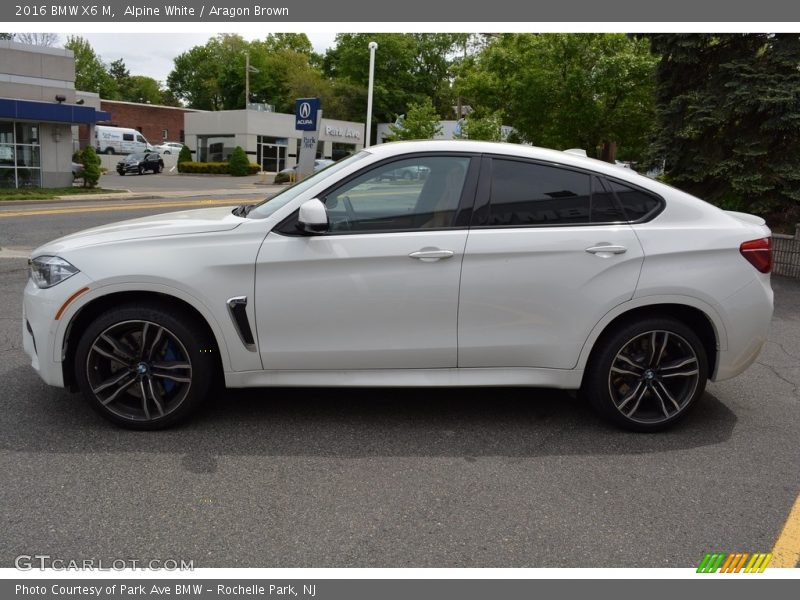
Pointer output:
39, 112
269, 138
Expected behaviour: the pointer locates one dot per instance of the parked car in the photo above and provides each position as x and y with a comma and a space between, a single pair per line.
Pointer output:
290, 174
506, 266
168, 148
77, 170
141, 162
405, 173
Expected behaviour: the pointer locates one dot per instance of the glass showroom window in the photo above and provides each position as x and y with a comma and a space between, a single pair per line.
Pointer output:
20, 155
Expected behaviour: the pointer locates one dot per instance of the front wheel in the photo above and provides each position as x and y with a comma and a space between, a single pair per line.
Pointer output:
142, 366
647, 375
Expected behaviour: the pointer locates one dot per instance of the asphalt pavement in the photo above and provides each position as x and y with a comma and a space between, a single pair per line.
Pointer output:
393, 478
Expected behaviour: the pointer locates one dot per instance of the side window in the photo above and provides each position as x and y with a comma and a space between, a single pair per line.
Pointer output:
636, 203
415, 193
605, 208
128, 137
140, 139
531, 194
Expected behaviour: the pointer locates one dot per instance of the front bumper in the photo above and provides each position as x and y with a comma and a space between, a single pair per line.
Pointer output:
42, 334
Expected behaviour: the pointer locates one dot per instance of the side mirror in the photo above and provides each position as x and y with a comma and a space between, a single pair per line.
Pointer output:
313, 218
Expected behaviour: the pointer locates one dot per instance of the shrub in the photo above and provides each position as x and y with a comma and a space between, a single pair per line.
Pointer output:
184, 156
238, 163
213, 168
91, 167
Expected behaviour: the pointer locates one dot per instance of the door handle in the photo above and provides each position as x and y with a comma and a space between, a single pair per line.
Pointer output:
606, 249
431, 254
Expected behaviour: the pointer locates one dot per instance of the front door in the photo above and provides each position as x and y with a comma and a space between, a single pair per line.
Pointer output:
380, 289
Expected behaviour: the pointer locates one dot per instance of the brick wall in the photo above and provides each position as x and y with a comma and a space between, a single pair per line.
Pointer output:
149, 119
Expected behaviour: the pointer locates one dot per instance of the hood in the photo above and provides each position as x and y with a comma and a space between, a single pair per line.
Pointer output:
203, 220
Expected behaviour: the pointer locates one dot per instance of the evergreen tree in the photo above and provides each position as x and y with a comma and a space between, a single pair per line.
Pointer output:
238, 163
91, 167
729, 119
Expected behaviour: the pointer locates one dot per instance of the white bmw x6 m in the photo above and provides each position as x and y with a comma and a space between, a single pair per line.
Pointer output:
504, 265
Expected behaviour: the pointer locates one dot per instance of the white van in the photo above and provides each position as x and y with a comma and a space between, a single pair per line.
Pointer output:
119, 140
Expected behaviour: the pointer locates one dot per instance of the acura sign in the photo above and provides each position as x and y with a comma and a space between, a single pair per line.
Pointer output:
305, 114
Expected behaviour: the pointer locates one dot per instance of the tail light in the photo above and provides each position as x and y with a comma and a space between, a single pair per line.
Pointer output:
758, 253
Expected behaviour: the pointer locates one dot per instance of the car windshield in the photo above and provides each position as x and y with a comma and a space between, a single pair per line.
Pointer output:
270, 205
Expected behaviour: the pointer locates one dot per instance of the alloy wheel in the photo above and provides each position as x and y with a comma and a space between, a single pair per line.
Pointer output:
139, 370
653, 377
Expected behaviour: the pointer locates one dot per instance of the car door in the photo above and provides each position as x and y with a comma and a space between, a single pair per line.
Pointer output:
548, 255
379, 290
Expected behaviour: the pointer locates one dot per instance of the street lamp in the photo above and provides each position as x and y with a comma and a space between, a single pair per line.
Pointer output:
372, 47
247, 70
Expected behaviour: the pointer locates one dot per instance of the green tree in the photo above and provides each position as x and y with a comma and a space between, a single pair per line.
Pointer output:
238, 163
195, 78
421, 123
90, 72
143, 89
729, 119
119, 72
566, 90
185, 155
488, 128
91, 167
409, 68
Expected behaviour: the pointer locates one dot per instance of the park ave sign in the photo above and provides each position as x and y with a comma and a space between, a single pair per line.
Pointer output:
343, 132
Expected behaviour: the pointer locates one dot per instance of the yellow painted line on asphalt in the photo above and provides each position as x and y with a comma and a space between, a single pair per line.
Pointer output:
786, 552
65, 210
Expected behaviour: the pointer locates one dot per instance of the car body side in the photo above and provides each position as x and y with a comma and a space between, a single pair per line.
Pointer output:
201, 266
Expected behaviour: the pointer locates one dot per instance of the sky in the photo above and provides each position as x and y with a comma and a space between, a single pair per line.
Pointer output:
152, 54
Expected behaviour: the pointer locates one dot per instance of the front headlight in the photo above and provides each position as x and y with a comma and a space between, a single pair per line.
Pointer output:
47, 271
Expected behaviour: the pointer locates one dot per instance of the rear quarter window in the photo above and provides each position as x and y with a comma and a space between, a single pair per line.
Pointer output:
637, 203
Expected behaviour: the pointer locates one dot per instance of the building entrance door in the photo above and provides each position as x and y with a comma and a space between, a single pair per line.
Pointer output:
273, 157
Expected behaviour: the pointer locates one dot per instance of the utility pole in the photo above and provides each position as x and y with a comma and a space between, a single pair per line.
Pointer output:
372, 47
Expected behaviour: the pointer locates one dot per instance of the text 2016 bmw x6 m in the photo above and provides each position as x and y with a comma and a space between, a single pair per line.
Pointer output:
505, 266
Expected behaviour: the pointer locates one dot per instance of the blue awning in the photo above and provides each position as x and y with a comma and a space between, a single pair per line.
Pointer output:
29, 110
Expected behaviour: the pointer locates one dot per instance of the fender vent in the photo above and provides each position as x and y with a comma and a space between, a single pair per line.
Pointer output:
237, 307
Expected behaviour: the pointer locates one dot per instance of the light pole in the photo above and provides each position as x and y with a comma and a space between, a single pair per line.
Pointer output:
247, 70
372, 47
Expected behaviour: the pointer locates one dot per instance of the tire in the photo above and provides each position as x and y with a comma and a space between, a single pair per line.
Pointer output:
145, 386
121, 172
141, 170
647, 375
109, 151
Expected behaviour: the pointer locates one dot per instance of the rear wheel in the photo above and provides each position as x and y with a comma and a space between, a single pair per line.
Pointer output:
647, 375
144, 367
109, 150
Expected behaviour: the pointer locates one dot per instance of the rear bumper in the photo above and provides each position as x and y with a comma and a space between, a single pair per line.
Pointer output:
747, 315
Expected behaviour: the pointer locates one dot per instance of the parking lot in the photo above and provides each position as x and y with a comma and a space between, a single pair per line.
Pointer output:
395, 478
380, 478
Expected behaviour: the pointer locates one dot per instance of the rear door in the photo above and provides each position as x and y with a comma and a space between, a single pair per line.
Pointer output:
549, 253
